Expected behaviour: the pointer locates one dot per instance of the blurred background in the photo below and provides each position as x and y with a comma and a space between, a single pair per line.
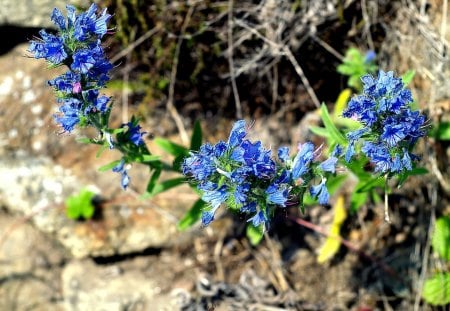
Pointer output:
269, 61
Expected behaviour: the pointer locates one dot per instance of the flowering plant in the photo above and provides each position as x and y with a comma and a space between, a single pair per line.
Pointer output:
77, 45
238, 173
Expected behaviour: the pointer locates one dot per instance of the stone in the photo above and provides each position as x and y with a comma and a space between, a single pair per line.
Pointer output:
33, 13
87, 286
40, 169
30, 266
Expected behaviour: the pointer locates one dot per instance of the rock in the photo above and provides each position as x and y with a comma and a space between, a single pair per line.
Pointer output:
33, 13
87, 286
30, 267
39, 169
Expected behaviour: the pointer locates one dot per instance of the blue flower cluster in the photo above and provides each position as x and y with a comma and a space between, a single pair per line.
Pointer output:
390, 128
78, 46
244, 176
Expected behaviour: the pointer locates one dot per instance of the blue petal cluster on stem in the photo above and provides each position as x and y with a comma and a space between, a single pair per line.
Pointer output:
245, 177
389, 127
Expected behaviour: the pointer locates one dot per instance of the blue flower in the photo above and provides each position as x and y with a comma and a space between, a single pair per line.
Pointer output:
120, 168
283, 154
370, 56
216, 196
241, 193
258, 218
329, 165
337, 151
350, 152
249, 208
69, 114
321, 192
406, 160
51, 48
83, 61
237, 134
392, 134
87, 24
300, 164
58, 19
134, 134
389, 125
66, 82
277, 194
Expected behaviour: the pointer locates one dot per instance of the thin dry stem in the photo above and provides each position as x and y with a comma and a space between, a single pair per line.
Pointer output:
237, 101
173, 76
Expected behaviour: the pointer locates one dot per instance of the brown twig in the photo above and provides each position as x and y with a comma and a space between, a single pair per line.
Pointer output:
237, 101
173, 76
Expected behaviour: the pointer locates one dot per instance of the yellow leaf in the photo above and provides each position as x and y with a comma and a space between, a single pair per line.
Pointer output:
333, 241
341, 102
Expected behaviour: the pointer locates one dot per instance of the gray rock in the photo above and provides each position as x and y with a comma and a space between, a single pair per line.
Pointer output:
39, 169
33, 13
30, 267
87, 286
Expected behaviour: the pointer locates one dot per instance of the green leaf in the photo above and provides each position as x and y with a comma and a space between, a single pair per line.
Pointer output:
83, 140
441, 238
176, 165
408, 76
80, 205
320, 131
108, 166
357, 200
254, 234
442, 132
372, 183
196, 139
147, 158
335, 182
153, 180
415, 171
170, 147
164, 186
436, 290
100, 150
329, 125
192, 216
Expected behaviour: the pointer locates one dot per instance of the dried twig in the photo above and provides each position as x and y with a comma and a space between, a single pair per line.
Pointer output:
237, 101
284, 50
173, 76
134, 44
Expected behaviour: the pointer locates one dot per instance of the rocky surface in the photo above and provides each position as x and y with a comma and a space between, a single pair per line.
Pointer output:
32, 13
39, 169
